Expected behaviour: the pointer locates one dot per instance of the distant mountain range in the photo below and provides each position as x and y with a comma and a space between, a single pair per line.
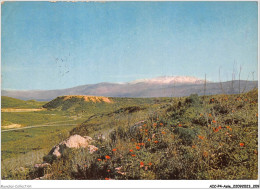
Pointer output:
166, 86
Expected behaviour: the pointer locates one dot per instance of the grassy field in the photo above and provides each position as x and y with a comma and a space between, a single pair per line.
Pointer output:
195, 137
8, 102
24, 146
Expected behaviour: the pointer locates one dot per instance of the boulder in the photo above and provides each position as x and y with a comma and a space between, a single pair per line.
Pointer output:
74, 141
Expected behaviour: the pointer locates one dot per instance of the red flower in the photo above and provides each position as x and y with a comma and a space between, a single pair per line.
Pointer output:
141, 164
107, 179
154, 124
214, 121
242, 144
131, 150
215, 130
161, 124
114, 150
180, 125
137, 147
107, 157
133, 155
156, 141
99, 159
149, 139
150, 163
201, 137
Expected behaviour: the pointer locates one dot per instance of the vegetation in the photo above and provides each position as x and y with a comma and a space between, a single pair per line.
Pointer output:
195, 137
8, 102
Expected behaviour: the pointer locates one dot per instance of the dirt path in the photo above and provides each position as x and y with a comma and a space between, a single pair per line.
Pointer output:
35, 126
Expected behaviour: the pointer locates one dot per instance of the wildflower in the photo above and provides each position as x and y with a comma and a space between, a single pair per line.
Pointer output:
255, 151
193, 146
201, 114
85, 166
214, 121
156, 141
149, 139
163, 132
215, 130
210, 115
138, 147
219, 127
133, 155
141, 164
114, 150
229, 128
180, 125
108, 170
150, 164
161, 124
99, 159
107, 179
107, 157
144, 125
131, 150
146, 130
205, 154
155, 124
201, 137
242, 144
142, 144
60, 171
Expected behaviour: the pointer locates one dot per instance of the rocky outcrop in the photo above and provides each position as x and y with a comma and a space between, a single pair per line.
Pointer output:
74, 141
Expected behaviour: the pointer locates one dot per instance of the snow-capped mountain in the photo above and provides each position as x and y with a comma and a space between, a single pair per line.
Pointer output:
165, 86
170, 80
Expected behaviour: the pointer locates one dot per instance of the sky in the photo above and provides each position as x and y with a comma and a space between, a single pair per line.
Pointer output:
64, 44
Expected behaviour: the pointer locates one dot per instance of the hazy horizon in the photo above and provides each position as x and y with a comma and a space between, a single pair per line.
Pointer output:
62, 45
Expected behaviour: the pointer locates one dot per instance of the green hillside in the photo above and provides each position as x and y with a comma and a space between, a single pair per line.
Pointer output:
193, 138
8, 102
211, 137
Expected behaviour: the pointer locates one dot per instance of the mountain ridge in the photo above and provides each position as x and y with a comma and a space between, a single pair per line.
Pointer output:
164, 86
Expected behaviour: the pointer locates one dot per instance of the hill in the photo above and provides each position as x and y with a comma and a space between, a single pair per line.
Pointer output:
77, 103
210, 137
8, 102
